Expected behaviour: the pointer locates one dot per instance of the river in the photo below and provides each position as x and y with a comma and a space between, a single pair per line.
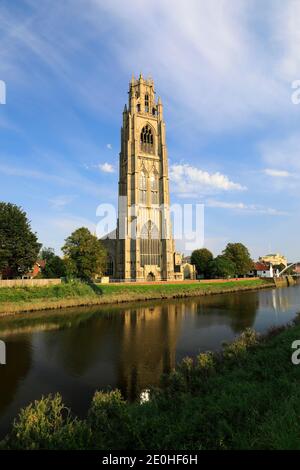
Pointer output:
78, 351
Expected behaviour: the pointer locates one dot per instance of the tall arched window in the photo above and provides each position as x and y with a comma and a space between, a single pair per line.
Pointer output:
143, 187
146, 103
154, 188
150, 245
147, 139
109, 271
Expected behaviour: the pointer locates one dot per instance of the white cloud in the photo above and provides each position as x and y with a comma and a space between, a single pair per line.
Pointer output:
226, 205
211, 64
277, 173
188, 180
281, 157
249, 208
106, 167
287, 36
59, 202
206, 56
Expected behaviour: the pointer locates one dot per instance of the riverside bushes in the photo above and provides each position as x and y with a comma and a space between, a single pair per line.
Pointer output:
246, 397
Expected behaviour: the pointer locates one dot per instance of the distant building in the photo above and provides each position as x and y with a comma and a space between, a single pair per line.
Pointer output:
276, 259
183, 269
263, 270
36, 269
34, 272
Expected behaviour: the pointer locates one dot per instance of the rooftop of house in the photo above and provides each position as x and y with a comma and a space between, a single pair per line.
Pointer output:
261, 266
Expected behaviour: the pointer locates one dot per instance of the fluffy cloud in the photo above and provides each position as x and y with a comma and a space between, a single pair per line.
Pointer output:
188, 180
106, 167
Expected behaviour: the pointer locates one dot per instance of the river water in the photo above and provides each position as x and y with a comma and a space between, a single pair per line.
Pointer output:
78, 351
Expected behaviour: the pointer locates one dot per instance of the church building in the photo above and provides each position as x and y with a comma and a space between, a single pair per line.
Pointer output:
142, 247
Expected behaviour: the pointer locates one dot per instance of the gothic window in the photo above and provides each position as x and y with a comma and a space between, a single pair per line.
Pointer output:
150, 249
138, 108
154, 188
147, 139
143, 188
109, 271
146, 103
154, 111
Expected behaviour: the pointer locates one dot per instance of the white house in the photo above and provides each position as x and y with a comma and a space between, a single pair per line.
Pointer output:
264, 270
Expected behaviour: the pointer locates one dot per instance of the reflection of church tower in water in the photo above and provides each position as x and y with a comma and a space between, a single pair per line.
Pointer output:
144, 248
148, 346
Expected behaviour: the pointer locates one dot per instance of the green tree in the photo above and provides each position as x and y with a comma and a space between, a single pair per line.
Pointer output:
222, 267
46, 253
55, 266
240, 256
85, 255
19, 246
201, 259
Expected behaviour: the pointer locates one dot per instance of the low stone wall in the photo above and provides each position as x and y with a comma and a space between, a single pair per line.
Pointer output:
28, 282
284, 281
186, 281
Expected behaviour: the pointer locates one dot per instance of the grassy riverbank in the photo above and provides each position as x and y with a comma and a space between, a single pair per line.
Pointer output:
20, 299
248, 397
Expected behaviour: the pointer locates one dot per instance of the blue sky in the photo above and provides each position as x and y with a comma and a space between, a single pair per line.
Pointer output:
224, 70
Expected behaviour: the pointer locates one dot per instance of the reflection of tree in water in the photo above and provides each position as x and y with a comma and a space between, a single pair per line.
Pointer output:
242, 310
235, 310
17, 367
79, 348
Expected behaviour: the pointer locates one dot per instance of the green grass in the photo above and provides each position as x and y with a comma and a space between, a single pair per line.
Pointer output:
247, 397
179, 288
17, 299
60, 291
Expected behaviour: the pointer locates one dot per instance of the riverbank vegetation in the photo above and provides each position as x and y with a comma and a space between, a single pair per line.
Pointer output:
246, 397
75, 293
235, 261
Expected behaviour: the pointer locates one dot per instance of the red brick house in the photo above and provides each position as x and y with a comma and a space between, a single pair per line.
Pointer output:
36, 269
34, 272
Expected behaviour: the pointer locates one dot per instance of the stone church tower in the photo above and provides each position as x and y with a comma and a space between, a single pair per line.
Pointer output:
142, 247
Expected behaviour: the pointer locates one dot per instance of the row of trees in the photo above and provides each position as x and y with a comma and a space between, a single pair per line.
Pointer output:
235, 261
84, 254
